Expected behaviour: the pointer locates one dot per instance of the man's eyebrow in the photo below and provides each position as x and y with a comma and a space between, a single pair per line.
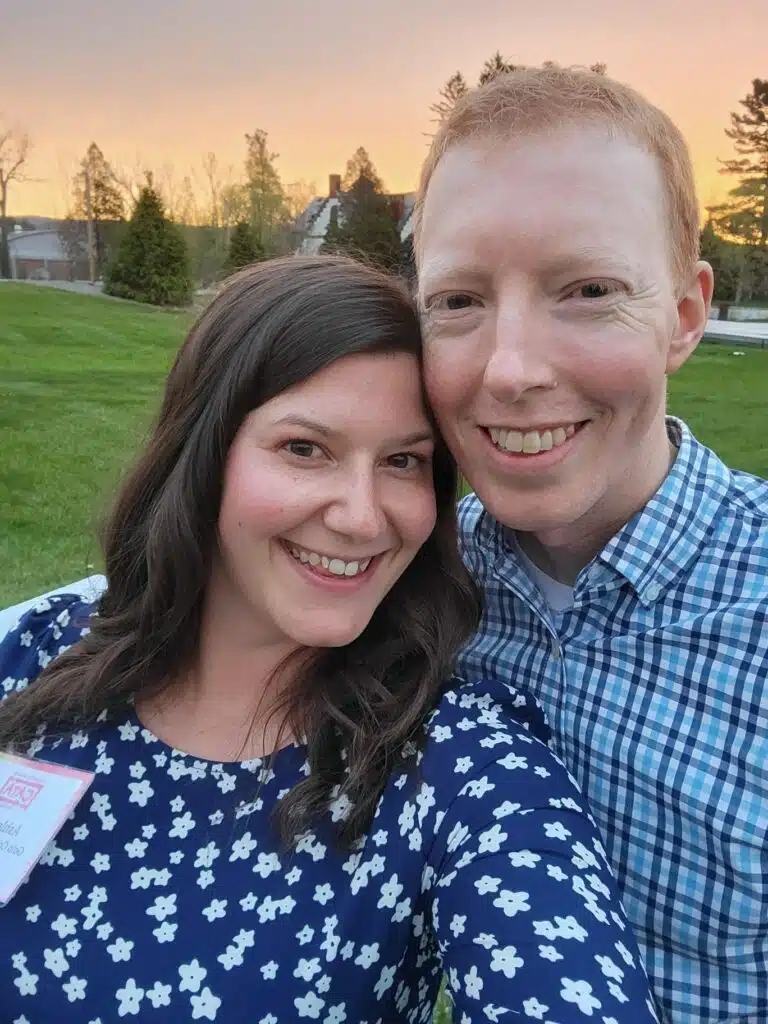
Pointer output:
589, 256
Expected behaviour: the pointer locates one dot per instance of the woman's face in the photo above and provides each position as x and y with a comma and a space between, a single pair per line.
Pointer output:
327, 497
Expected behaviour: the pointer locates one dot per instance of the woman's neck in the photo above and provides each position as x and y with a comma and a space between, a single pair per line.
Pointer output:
226, 705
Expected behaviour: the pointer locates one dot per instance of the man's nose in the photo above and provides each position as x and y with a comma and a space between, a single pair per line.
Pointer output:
520, 359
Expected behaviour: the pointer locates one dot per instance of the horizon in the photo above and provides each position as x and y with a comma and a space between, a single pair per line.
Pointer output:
367, 77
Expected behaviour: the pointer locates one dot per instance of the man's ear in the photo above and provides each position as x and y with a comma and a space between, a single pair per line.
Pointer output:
692, 312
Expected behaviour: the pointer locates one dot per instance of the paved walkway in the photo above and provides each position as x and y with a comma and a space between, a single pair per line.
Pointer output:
742, 332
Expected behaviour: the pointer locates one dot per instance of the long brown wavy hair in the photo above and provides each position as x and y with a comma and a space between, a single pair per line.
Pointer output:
359, 707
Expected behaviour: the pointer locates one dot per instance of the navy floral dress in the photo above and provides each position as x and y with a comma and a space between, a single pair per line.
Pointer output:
165, 897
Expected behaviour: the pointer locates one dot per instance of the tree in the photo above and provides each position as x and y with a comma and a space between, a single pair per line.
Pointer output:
745, 215
366, 227
152, 263
14, 150
456, 86
264, 189
244, 249
452, 91
359, 166
107, 209
495, 66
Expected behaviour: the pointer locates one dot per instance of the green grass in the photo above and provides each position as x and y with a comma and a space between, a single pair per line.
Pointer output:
79, 381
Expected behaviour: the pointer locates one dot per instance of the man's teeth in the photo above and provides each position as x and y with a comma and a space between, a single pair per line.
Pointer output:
337, 566
532, 441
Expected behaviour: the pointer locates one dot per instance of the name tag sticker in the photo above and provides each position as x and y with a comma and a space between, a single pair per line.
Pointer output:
36, 797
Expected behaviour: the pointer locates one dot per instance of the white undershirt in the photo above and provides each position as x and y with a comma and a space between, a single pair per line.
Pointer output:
559, 596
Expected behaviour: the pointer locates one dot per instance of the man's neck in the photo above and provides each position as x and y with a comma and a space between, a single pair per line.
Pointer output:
564, 559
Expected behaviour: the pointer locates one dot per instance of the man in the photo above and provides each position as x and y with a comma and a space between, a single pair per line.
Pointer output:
625, 567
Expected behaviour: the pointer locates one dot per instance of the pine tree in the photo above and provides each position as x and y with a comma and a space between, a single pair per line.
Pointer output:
451, 92
152, 263
366, 227
456, 86
244, 249
745, 215
107, 211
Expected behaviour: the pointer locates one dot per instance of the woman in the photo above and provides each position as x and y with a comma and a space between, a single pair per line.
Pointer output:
294, 814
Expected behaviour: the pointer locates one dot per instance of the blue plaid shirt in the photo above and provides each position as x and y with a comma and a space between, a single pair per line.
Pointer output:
655, 686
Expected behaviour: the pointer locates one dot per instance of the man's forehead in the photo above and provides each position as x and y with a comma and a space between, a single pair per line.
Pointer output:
484, 205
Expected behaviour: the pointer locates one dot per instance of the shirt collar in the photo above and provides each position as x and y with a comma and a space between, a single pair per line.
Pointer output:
667, 534
663, 538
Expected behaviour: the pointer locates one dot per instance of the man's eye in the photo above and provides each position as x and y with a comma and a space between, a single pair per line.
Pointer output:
594, 290
453, 302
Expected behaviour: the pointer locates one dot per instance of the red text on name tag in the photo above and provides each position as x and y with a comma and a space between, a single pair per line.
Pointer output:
18, 791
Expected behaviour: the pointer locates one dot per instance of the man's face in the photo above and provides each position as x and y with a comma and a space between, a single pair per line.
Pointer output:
551, 321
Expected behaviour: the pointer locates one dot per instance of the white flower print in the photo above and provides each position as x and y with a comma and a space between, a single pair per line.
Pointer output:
580, 993
205, 1006
120, 950
307, 969
215, 910
492, 840
386, 978
206, 855
130, 996
192, 975
75, 988
368, 955
556, 830
163, 907
159, 995
512, 902
269, 971
141, 792
55, 962
309, 1005
506, 960
100, 863
473, 983
266, 864
533, 1008
182, 826
243, 847
550, 953
64, 926
323, 894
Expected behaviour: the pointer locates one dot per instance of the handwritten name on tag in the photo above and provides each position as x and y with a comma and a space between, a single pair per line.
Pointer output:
35, 799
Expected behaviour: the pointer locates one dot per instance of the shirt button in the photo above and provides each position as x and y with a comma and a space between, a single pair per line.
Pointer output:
653, 591
556, 650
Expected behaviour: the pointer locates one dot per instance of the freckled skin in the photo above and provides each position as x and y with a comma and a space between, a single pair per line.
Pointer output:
548, 296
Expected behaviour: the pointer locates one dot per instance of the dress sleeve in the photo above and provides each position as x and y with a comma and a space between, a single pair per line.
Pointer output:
48, 629
524, 907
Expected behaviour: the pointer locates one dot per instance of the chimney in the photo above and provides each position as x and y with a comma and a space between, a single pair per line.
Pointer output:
334, 185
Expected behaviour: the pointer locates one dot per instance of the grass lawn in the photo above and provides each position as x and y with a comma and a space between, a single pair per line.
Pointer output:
79, 381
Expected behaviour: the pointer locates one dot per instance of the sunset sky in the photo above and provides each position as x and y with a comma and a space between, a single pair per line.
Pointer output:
165, 81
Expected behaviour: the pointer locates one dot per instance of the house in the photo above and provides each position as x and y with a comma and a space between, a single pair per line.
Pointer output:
314, 222
41, 255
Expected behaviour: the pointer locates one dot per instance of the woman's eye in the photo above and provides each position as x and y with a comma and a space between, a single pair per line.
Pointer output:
302, 449
406, 460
